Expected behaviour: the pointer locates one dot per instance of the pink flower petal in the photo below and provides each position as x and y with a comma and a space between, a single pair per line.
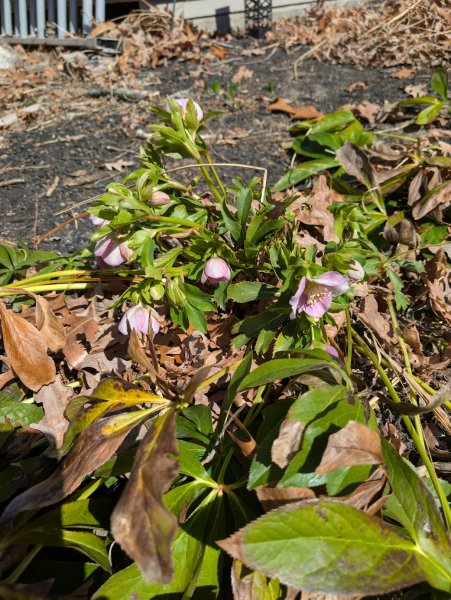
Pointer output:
299, 300
183, 102
336, 282
318, 308
331, 350
216, 270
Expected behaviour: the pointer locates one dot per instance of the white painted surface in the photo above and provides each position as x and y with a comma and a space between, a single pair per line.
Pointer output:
207, 14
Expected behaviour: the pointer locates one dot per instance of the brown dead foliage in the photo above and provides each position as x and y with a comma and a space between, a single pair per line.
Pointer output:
383, 34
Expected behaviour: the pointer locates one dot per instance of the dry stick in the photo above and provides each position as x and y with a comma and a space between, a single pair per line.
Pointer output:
11, 182
306, 55
400, 16
35, 225
45, 235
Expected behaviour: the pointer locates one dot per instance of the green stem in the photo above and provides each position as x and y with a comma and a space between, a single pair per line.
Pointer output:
211, 184
349, 341
405, 354
225, 464
216, 176
53, 287
44, 276
22, 565
363, 347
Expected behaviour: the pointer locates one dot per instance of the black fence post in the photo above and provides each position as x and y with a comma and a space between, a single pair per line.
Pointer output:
258, 17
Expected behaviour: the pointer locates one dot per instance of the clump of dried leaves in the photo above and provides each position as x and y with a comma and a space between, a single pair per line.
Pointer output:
378, 34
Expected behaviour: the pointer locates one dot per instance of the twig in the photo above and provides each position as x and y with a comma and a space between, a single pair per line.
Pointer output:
45, 235
383, 24
52, 187
306, 55
35, 224
11, 182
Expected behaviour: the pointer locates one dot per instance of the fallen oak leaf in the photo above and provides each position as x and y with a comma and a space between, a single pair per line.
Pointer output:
282, 106
306, 112
47, 322
54, 398
26, 350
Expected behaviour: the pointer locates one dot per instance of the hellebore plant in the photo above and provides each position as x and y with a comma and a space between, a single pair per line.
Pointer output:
314, 296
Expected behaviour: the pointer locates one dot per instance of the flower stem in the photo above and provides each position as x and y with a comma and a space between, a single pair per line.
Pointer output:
349, 342
419, 443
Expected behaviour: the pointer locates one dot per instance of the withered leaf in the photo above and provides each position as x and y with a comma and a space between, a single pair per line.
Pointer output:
355, 162
49, 325
365, 492
355, 444
82, 326
26, 350
273, 497
377, 322
437, 279
51, 328
306, 112
440, 196
140, 522
54, 398
287, 442
93, 447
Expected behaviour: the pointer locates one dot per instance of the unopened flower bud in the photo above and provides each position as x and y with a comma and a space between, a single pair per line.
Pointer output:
183, 102
159, 198
215, 271
356, 272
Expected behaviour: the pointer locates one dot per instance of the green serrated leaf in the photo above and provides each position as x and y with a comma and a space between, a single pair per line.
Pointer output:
248, 291
343, 550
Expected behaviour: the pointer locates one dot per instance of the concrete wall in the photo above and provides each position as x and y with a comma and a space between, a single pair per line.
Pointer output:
217, 14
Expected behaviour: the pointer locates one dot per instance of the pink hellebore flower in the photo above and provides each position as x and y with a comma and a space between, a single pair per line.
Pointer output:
137, 319
98, 222
183, 102
111, 252
215, 271
314, 296
331, 350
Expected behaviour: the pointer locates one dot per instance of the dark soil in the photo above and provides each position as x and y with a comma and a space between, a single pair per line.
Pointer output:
76, 149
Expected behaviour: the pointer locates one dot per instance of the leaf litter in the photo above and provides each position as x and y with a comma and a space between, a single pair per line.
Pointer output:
226, 426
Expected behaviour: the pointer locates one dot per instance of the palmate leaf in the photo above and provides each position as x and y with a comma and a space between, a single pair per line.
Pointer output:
413, 505
327, 546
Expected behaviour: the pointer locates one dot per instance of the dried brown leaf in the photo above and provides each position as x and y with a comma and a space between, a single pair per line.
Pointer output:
355, 444
378, 322
287, 442
93, 448
273, 497
86, 327
54, 398
140, 522
306, 112
437, 280
49, 325
242, 73
355, 162
404, 73
441, 197
26, 350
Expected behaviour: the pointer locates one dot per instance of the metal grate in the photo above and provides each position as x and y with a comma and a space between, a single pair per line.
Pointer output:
258, 16
42, 18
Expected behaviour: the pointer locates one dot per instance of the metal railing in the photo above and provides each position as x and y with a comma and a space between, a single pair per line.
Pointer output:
43, 18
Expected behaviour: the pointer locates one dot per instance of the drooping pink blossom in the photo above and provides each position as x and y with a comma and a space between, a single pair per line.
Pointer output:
331, 350
97, 221
136, 319
111, 252
183, 102
159, 198
216, 270
314, 296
